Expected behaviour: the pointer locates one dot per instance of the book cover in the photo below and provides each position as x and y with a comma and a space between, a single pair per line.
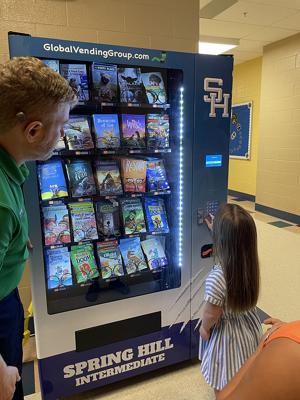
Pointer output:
107, 132
155, 87
84, 263
134, 174
131, 87
155, 255
108, 220
56, 224
53, 64
83, 221
110, 259
76, 75
133, 216
59, 272
156, 175
52, 180
132, 254
78, 134
133, 131
108, 177
60, 145
81, 178
156, 215
161, 239
104, 78
158, 131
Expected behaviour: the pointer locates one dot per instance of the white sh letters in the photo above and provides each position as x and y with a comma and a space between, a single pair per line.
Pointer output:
216, 96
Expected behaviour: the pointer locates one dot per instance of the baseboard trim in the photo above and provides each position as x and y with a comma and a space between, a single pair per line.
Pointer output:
241, 195
278, 213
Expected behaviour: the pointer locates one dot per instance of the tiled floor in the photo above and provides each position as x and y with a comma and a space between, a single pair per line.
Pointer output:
279, 252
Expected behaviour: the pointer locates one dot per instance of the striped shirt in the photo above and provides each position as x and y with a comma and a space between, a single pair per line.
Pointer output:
232, 340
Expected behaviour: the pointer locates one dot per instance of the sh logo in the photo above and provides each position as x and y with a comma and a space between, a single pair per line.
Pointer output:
216, 96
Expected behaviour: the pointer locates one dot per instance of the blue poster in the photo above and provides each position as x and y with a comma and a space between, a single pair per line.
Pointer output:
240, 131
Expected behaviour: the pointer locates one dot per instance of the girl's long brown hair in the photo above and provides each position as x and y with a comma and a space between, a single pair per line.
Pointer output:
235, 245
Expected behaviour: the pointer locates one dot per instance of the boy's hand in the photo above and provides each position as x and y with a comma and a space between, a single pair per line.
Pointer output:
273, 322
204, 333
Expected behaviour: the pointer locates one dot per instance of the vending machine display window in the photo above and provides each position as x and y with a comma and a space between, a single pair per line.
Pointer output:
111, 196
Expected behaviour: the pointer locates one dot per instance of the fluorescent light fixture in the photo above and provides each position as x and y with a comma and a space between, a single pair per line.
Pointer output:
216, 45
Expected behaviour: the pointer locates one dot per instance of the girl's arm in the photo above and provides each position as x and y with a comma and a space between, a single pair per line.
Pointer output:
211, 315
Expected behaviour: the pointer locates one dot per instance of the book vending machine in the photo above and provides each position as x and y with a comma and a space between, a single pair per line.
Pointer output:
111, 215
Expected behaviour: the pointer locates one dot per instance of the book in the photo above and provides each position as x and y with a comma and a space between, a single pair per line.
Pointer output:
83, 221
156, 215
131, 87
133, 131
132, 255
60, 145
161, 239
52, 180
154, 252
158, 131
107, 216
58, 265
155, 87
53, 64
84, 263
156, 175
56, 224
76, 75
133, 216
78, 134
110, 259
81, 178
134, 174
108, 177
107, 132
104, 77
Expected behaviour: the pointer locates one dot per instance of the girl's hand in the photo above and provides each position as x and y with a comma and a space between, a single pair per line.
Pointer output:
210, 222
204, 333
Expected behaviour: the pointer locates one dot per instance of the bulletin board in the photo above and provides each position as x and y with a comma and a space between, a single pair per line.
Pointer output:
240, 131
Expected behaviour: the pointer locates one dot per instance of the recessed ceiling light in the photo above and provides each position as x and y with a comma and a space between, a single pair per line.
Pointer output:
216, 45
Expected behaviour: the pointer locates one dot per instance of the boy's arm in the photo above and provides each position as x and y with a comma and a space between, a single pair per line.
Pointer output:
211, 315
273, 374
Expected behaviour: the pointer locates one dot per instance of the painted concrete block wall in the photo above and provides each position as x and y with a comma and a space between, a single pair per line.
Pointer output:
246, 88
278, 169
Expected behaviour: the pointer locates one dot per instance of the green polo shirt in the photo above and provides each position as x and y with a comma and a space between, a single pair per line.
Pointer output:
13, 223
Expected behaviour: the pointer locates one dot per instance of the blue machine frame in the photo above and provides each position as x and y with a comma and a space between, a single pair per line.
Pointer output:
205, 132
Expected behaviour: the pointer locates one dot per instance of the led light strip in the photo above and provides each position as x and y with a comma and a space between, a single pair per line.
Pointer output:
181, 109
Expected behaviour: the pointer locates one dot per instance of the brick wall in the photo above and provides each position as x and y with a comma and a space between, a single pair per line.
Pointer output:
157, 24
278, 169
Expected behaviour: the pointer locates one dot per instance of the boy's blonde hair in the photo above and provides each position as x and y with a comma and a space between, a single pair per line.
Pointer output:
30, 89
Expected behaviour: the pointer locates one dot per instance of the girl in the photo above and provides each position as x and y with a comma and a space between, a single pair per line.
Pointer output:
230, 329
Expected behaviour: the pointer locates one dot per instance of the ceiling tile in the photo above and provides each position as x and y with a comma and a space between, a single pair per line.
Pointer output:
270, 34
212, 27
242, 56
291, 22
204, 3
286, 3
254, 13
252, 45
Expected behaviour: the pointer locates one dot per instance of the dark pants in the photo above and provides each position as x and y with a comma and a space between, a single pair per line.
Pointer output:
11, 335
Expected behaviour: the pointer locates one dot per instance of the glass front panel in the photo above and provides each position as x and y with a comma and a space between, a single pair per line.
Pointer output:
110, 197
